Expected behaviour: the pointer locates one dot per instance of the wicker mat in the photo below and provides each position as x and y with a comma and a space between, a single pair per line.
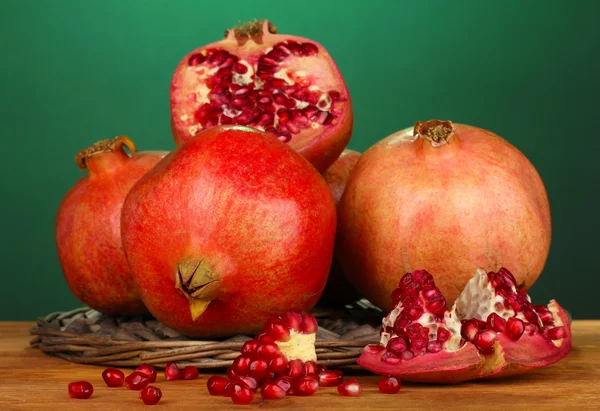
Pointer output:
88, 337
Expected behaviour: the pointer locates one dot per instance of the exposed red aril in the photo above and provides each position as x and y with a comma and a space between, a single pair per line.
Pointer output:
283, 383
81, 390
389, 385
305, 386
136, 381
204, 281
151, 395
113, 377
88, 227
189, 372
310, 368
149, 370
216, 385
492, 330
285, 85
330, 378
272, 391
172, 371
295, 369
474, 202
240, 394
349, 389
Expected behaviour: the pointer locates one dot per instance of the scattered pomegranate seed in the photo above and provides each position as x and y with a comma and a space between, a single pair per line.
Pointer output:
240, 394
216, 385
172, 371
350, 389
389, 385
305, 386
149, 370
272, 391
330, 378
113, 377
190, 372
136, 380
81, 390
150, 395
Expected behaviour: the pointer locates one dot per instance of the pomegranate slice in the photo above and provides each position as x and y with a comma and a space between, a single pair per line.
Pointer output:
285, 85
492, 330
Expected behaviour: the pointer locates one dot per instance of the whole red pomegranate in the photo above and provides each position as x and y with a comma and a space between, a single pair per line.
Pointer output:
338, 290
287, 86
228, 230
88, 232
445, 197
491, 331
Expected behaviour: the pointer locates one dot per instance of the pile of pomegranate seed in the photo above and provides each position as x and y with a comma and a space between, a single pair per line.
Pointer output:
281, 360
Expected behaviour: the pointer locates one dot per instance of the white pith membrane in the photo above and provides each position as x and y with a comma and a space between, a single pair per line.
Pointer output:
308, 83
477, 301
299, 347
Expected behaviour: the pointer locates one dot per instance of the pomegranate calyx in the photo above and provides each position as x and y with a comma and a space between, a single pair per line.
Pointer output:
251, 30
198, 282
103, 146
437, 132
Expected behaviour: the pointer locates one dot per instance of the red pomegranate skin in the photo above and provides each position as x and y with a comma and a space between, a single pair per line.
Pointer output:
256, 216
338, 291
88, 232
474, 202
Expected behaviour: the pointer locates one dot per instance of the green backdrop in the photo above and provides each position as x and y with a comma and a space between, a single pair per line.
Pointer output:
74, 72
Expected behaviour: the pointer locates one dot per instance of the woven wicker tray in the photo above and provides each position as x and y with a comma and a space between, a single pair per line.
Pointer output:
89, 337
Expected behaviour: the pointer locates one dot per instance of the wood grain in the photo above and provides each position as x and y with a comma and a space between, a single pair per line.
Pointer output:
31, 380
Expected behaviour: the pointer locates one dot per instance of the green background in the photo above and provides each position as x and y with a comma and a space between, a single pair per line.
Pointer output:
74, 72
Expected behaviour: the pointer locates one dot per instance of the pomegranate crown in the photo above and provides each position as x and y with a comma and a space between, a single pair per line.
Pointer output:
104, 146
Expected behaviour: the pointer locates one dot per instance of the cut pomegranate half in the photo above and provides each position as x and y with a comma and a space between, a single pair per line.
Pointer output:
285, 85
492, 330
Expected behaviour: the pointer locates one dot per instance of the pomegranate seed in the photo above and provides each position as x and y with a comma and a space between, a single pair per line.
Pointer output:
414, 313
396, 345
240, 394
334, 95
196, 59
436, 306
434, 347
305, 386
556, 333
149, 370
531, 316
172, 371
151, 395
530, 329
269, 350
469, 329
309, 324
310, 368
81, 390
284, 383
216, 57
391, 358
250, 347
241, 365
350, 389
278, 364
272, 391
190, 372
374, 348
389, 385
284, 136
278, 331
216, 385
294, 320
407, 355
515, 328
545, 314
259, 366
485, 339
247, 381
295, 369
507, 278
240, 68
443, 335
137, 380
496, 323
330, 378
113, 377
310, 49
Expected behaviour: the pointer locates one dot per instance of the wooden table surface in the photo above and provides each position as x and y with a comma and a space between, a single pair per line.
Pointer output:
31, 380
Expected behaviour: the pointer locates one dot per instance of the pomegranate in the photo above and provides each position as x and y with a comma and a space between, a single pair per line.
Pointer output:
151, 395
227, 231
492, 330
350, 389
88, 234
113, 377
81, 390
445, 197
280, 359
338, 291
287, 86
